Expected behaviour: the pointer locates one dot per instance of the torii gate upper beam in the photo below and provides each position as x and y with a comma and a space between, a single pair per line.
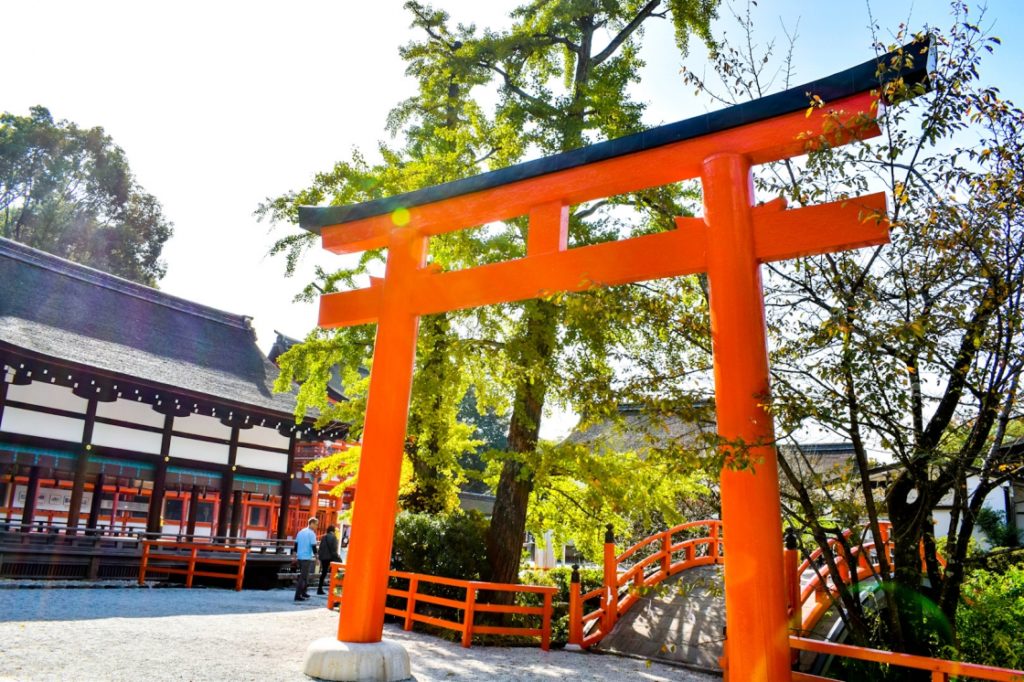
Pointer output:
729, 243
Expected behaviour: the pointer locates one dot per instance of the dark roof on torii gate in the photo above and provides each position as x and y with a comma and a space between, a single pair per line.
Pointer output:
56, 309
862, 78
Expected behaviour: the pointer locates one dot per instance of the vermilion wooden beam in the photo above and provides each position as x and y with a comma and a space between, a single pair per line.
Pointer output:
827, 228
778, 234
359, 306
762, 142
549, 229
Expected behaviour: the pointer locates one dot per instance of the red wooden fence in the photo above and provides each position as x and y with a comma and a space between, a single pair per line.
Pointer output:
184, 557
470, 605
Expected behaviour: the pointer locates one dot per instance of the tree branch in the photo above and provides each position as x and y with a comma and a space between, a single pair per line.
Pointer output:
627, 31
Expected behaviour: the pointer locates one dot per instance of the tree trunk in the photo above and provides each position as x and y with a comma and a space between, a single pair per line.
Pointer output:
910, 522
534, 352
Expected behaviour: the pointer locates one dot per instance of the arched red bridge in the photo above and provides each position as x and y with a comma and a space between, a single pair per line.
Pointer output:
629, 614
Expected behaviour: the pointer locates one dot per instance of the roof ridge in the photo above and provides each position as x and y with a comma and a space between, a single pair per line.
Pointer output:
63, 266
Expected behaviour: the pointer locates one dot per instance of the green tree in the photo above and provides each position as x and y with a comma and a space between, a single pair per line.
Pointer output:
69, 191
592, 48
445, 135
517, 357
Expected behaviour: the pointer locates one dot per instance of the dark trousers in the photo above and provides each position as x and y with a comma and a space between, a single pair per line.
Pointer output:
325, 574
302, 584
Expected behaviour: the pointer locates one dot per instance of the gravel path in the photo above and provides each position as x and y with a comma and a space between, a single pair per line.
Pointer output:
67, 633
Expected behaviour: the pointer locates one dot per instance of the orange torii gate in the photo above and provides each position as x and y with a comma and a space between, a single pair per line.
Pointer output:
729, 243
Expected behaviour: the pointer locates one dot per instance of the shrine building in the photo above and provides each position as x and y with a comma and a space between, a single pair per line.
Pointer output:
127, 410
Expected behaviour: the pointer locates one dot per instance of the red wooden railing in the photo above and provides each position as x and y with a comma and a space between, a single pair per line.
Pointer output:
626, 575
819, 587
940, 669
469, 606
184, 557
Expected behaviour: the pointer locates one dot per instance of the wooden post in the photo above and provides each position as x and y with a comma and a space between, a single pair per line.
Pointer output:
11, 489
666, 548
410, 602
246, 506
333, 586
286, 491
884, 530
227, 484
236, 512
387, 411
113, 507
3, 388
144, 562
193, 513
227, 481
791, 557
94, 508
191, 566
154, 523
81, 468
469, 617
757, 647
610, 599
575, 608
545, 637
28, 511
314, 495
241, 570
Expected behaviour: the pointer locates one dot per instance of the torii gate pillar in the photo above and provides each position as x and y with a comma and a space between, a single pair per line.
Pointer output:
754, 599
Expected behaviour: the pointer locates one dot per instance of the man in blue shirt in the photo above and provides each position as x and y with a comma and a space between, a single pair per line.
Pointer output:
305, 552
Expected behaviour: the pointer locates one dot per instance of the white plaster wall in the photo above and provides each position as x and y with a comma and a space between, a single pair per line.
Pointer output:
261, 435
201, 425
47, 395
188, 448
126, 439
28, 423
130, 411
994, 500
261, 459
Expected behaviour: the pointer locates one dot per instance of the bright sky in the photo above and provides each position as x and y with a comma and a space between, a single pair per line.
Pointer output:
220, 105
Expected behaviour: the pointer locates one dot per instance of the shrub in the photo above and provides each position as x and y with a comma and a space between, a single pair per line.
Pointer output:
993, 525
991, 618
1000, 561
447, 545
590, 579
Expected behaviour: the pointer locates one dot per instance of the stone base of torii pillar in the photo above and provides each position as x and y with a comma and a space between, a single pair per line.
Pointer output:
330, 659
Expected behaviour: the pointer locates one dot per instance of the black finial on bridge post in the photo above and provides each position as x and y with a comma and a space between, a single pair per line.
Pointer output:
791, 538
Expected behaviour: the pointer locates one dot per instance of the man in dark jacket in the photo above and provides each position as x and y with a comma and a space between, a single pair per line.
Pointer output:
327, 553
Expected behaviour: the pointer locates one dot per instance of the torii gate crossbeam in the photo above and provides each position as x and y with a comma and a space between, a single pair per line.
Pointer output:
729, 243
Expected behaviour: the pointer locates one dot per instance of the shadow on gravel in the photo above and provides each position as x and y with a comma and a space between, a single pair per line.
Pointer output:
40, 603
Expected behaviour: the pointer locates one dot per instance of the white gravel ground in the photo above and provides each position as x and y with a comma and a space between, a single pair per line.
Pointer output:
68, 633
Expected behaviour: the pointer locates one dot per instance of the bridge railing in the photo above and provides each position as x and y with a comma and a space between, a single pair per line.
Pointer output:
818, 588
466, 609
629, 574
940, 669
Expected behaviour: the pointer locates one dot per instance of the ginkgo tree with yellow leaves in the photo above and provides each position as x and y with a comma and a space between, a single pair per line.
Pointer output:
562, 76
